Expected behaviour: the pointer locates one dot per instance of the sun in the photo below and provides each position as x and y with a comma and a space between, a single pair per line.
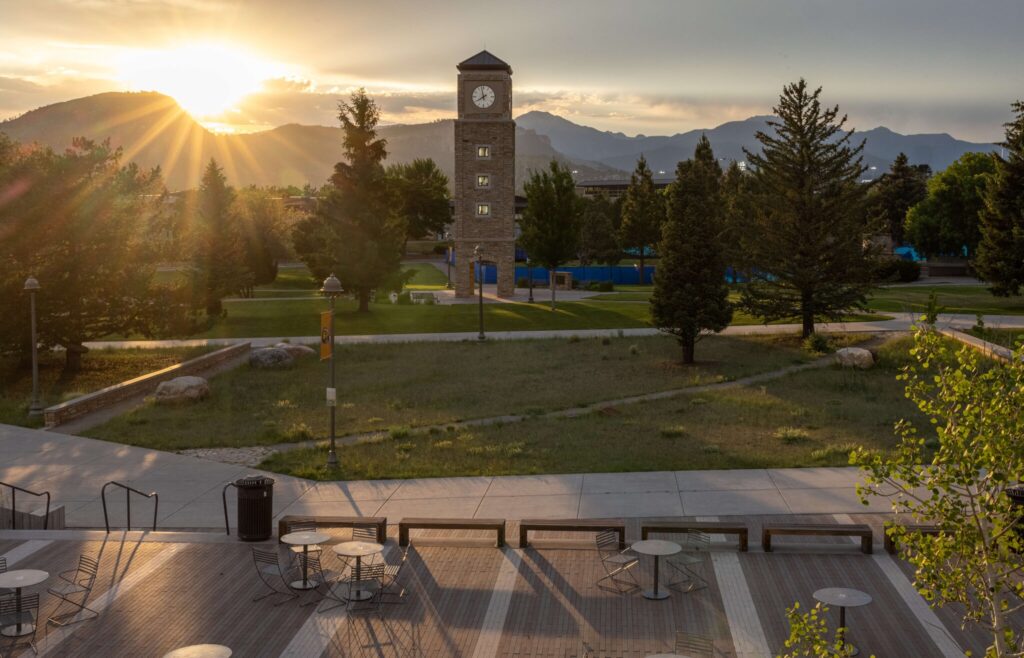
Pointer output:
206, 79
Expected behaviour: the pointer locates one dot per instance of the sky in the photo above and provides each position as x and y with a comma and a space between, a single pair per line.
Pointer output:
649, 67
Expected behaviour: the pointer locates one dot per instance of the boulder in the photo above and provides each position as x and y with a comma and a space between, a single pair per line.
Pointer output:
182, 389
855, 357
296, 351
271, 358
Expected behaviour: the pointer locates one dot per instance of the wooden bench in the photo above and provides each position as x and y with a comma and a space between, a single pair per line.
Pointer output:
710, 527
922, 528
572, 525
821, 530
379, 522
405, 525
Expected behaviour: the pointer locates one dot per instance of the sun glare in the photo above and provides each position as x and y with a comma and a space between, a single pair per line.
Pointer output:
205, 79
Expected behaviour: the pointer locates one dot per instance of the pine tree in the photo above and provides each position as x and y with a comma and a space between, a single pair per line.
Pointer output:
807, 239
551, 222
690, 292
357, 232
896, 192
262, 218
643, 210
218, 260
598, 239
738, 204
1000, 258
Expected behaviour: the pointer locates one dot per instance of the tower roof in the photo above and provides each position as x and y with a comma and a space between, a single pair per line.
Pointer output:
484, 61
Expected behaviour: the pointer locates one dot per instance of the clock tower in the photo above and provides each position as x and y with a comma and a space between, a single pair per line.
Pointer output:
485, 152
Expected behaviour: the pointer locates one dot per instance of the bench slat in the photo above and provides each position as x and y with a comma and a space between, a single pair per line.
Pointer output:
378, 522
714, 527
571, 525
818, 529
450, 524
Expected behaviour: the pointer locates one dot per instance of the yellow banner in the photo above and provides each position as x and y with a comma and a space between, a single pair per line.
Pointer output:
325, 336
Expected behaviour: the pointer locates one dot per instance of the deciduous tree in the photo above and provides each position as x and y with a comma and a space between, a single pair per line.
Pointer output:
1000, 258
421, 193
946, 222
975, 561
690, 293
807, 239
551, 222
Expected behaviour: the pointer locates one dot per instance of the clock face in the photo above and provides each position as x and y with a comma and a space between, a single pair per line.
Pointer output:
483, 96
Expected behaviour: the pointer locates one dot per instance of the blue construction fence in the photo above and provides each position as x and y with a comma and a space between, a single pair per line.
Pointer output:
618, 275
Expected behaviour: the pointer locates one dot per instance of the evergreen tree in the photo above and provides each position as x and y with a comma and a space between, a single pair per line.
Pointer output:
598, 239
1000, 258
738, 204
807, 238
643, 210
81, 228
263, 219
690, 292
218, 258
421, 193
357, 232
896, 192
946, 222
551, 222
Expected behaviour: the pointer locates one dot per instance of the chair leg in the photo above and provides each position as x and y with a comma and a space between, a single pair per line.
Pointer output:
619, 585
67, 618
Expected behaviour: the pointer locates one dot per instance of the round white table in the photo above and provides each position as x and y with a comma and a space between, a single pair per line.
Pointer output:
358, 550
666, 655
305, 540
844, 598
657, 548
16, 580
201, 651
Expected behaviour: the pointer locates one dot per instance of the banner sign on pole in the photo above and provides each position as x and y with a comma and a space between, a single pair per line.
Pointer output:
326, 348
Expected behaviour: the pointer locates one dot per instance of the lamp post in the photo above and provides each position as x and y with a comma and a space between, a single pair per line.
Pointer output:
478, 257
36, 407
529, 279
331, 289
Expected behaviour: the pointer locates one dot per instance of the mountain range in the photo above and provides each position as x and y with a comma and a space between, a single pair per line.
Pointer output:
154, 130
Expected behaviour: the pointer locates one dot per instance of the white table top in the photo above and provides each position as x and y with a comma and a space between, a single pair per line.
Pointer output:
656, 547
666, 655
200, 651
305, 538
843, 597
358, 548
22, 578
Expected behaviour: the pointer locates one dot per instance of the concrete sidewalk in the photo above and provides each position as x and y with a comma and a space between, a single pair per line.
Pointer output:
899, 322
73, 469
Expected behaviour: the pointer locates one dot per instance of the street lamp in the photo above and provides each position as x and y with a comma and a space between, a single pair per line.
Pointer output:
478, 257
36, 408
529, 279
331, 289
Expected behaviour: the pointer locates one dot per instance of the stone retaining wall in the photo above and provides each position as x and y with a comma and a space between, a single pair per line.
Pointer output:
33, 519
990, 350
144, 384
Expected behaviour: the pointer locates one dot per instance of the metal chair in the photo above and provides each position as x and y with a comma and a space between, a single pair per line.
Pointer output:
391, 575
3, 565
688, 563
362, 533
303, 526
9, 616
372, 579
268, 566
76, 582
696, 646
616, 563
323, 578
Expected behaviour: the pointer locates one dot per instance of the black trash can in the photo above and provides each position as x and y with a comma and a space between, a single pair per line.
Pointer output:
255, 507
1016, 494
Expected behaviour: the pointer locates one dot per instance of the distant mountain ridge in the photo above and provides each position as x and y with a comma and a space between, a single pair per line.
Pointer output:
153, 130
728, 141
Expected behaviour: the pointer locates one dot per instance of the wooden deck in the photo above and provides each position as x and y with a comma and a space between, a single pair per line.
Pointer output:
467, 599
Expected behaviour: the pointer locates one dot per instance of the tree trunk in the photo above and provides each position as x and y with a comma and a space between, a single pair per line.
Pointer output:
807, 314
552, 282
688, 345
641, 265
73, 357
364, 300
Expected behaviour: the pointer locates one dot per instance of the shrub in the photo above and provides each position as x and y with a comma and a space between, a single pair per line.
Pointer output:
440, 249
897, 269
606, 341
574, 338
791, 434
835, 454
634, 349
673, 432
818, 344
600, 286
398, 432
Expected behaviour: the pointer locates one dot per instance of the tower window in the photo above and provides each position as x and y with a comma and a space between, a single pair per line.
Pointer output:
483, 180
483, 210
483, 151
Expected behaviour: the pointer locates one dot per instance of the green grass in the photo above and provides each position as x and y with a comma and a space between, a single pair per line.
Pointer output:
425, 277
1005, 337
418, 384
100, 368
812, 418
954, 299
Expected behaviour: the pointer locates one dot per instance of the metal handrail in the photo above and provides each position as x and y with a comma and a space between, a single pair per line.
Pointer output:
224, 499
128, 491
14, 515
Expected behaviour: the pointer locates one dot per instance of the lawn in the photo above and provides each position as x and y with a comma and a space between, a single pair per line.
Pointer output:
100, 368
426, 277
952, 299
812, 418
418, 384
1005, 337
